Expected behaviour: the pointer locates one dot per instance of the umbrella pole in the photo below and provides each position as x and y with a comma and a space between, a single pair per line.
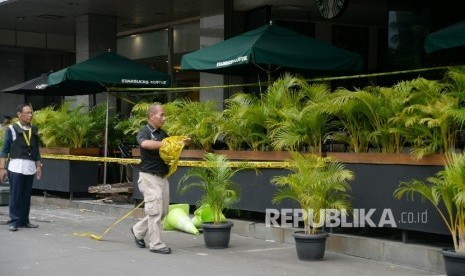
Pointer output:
105, 146
268, 73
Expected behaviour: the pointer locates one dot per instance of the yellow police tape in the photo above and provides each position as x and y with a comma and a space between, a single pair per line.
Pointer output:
181, 163
171, 151
170, 155
100, 237
266, 83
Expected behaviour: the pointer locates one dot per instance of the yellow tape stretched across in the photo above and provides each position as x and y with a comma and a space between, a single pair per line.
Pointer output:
182, 163
100, 237
257, 84
122, 161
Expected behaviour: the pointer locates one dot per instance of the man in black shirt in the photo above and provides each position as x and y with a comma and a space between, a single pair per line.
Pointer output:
152, 181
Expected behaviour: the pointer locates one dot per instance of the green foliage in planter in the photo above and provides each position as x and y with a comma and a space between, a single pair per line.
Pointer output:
434, 114
3, 130
446, 192
96, 136
295, 115
423, 117
243, 121
2, 136
198, 120
65, 127
316, 184
215, 179
351, 114
131, 126
282, 97
366, 115
295, 118
183, 117
422, 113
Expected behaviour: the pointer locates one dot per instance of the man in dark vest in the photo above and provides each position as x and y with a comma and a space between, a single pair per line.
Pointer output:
21, 147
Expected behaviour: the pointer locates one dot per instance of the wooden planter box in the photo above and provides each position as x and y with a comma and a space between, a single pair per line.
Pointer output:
255, 155
4, 195
185, 154
232, 155
71, 151
66, 175
387, 158
377, 175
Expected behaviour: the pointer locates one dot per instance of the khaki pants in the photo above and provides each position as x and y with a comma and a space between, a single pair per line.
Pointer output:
156, 196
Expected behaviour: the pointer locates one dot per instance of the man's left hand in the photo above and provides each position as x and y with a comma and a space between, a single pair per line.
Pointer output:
39, 172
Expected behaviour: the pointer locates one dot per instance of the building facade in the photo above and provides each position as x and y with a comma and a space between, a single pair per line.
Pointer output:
39, 36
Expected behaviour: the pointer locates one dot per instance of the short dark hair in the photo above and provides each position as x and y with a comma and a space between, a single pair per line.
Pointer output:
152, 108
20, 107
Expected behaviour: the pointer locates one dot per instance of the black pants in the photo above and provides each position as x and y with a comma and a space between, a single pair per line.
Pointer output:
20, 198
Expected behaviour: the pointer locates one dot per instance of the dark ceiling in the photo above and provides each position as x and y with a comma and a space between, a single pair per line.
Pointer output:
58, 16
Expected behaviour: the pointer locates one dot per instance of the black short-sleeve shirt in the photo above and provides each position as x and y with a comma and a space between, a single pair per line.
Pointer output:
151, 161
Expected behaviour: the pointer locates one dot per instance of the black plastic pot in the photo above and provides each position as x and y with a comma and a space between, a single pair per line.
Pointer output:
454, 263
310, 247
217, 236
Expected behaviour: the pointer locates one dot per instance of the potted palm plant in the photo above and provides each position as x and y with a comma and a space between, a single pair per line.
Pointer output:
215, 179
446, 192
317, 184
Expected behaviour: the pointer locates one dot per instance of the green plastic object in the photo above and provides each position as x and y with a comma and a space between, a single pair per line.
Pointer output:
205, 214
178, 219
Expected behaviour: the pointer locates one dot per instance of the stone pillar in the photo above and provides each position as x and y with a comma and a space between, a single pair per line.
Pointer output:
95, 35
12, 72
170, 71
211, 31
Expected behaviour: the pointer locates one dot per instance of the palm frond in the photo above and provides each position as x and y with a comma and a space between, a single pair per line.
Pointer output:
215, 181
315, 183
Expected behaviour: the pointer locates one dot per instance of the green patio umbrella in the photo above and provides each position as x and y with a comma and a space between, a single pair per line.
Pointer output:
35, 86
270, 48
449, 37
101, 74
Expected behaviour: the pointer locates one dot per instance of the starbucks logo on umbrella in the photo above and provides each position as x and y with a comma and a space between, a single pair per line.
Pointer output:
331, 8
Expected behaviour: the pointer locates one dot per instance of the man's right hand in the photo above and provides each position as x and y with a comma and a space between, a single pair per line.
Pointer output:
185, 141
